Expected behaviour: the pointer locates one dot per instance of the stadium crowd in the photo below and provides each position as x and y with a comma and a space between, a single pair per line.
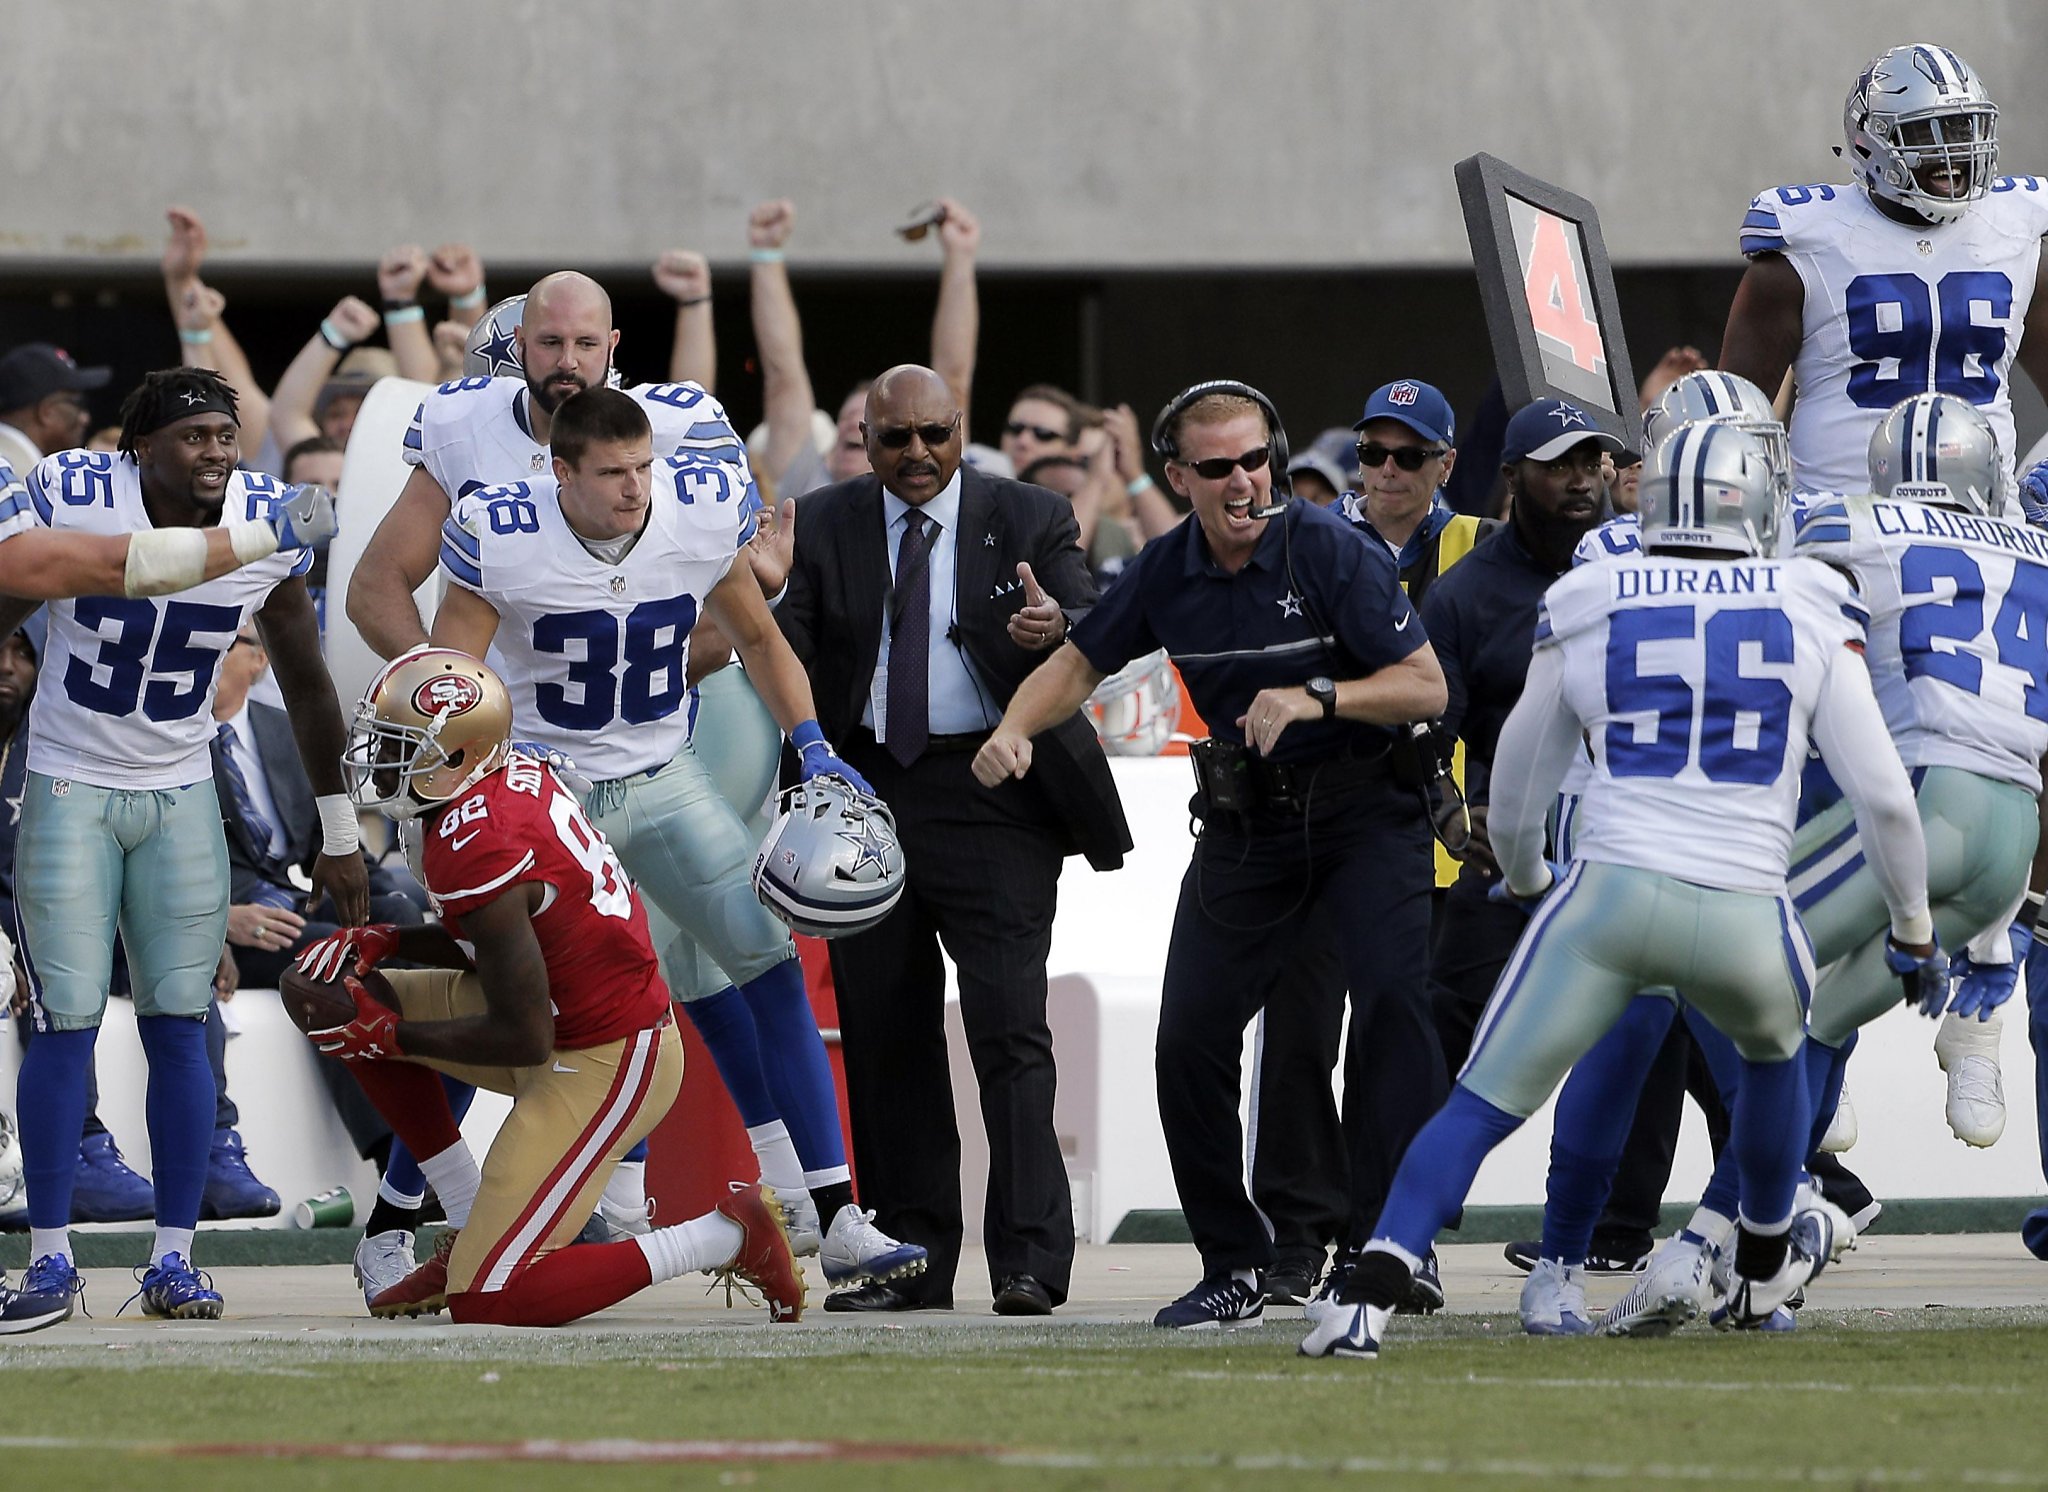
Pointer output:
1078, 585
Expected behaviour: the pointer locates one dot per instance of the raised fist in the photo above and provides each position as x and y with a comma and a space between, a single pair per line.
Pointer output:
683, 274
769, 224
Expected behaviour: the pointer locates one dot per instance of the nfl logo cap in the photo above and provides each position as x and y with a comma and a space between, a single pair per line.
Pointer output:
1546, 429
1417, 405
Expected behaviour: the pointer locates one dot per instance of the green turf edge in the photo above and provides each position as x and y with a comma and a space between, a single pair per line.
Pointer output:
1505, 1224
216, 1248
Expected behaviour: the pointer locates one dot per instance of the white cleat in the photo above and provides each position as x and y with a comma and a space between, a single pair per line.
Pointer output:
854, 1249
1841, 1132
1809, 1198
1554, 1300
1672, 1289
1968, 1053
382, 1260
1347, 1331
800, 1214
1753, 1305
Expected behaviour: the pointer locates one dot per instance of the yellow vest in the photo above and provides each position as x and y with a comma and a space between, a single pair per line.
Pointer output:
1453, 544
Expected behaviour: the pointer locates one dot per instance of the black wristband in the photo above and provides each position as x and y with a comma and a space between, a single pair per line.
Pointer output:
401, 305
697, 302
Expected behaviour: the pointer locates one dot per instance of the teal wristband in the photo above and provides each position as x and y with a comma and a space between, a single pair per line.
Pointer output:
195, 339
469, 300
403, 314
765, 256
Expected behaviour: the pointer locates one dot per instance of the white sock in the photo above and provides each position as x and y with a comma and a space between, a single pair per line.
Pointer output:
171, 1241
626, 1192
43, 1242
1767, 1230
1712, 1226
832, 1176
777, 1154
454, 1176
398, 1198
705, 1242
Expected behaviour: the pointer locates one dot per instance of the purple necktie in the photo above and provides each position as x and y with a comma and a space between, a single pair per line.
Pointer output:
910, 630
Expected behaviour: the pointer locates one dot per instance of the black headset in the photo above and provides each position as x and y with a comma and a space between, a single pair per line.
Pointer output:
1164, 443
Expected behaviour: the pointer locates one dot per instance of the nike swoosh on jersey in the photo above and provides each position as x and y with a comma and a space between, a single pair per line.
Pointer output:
460, 840
560, 1068
1402, 625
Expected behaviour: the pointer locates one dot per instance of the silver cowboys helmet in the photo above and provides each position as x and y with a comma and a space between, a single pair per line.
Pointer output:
493, 352
830, 864
1937, 449
1729, 398
1136, 709
1917, 115
1708, 486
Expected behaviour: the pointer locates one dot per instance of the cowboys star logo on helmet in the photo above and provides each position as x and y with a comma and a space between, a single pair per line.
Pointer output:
830, 864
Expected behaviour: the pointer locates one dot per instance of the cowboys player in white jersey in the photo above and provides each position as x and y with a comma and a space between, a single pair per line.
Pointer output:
1697, 672
588, 583
1919, 277
120, 825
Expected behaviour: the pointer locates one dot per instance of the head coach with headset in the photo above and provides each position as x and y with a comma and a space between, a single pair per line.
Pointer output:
1298, 645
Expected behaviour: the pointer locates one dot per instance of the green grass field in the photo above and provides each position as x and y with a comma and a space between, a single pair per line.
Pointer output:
1934, 1398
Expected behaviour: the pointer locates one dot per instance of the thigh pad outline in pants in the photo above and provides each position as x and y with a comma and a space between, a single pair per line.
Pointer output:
692, 859
1981, 836
572, 1118
153, 864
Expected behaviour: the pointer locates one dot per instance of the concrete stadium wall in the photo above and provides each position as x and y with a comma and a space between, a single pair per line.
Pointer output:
1145, 133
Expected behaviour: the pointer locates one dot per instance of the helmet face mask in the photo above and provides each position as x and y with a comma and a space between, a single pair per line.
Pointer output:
1729, 399
430, 726
830, 864
1940, 450
1922, 132
1708, 487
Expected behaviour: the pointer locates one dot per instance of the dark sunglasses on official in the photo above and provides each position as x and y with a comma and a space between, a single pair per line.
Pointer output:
897, 437
1040, 432
1409, 458
1216, 468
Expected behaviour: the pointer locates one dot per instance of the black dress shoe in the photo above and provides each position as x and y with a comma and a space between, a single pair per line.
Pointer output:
1021, 1295
880, 1295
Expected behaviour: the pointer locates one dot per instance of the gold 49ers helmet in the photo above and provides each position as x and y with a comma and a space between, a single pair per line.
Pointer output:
432, 723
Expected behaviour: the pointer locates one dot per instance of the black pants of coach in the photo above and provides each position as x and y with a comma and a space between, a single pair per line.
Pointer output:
982, 869
1361, 852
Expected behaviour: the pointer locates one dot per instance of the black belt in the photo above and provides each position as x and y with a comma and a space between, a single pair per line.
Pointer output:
934, 745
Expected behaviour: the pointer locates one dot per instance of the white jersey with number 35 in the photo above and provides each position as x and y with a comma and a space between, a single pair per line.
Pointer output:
594, 654
1696, 681
1895, 309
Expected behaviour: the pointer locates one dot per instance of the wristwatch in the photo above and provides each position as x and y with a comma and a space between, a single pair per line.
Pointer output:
1324, 692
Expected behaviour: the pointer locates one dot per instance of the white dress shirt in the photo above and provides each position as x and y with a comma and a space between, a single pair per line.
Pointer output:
960, 701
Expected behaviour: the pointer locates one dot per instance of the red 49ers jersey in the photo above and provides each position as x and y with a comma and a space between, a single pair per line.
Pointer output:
519, 825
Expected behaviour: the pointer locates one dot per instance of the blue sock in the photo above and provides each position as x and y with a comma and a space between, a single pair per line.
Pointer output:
2037, 1035
1768, 1136
794, 1063
1437, 1171
50, 1103
726, 1022
1824, 1067
637, 1153
402, 1172
1595, 1112
180, 1111
1724, 1188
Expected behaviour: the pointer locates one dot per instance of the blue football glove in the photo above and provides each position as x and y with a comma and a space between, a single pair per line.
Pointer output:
1925, 980
816, 758
558, 762
1499, 892
2034, 494
1982, 988
304, 518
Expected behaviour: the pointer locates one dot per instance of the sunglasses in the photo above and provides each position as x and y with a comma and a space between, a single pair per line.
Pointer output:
1408, 458
897, 437
1216, 468
1018, 427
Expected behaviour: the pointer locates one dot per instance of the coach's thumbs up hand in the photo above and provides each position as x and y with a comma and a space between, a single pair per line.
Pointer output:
1038, 624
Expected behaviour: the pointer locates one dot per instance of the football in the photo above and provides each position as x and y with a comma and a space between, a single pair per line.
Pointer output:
322, 1004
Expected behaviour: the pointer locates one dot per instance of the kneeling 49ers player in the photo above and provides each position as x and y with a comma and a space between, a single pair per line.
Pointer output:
544, 985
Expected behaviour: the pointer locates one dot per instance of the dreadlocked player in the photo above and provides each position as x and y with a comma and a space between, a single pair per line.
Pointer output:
119, 821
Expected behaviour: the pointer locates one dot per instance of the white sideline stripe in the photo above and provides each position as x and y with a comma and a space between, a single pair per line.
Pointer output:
625, 1102
1473, 1380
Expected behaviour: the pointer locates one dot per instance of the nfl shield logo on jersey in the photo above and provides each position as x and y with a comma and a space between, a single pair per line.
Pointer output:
618, 585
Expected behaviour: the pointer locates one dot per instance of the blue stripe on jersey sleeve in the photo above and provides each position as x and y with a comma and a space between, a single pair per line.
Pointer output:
1821, 533
1856, 614
303, 563
461, 567
735, 453
747, 531
16, 501
1763, 243
467, 544
717, 430
41, 499
1542, 623
1761, 218
413, 440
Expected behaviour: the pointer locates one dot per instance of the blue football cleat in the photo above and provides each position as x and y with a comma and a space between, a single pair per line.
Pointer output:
232, 1189
105, 1190
46, 1296
175, 1290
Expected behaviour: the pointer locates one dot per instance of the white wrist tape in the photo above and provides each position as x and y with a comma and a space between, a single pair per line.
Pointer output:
163, 560
252, 539
1916, 929
339, 834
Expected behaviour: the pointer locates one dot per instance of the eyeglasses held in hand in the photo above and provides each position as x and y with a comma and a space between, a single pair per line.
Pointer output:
1216, 468
1409, 458
923, 218
1039, 432
897, 437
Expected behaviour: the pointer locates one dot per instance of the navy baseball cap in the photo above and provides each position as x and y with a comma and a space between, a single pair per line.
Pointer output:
1417, 405
1546, 429
35, 370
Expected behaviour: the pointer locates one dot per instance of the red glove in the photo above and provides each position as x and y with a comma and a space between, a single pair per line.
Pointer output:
371, 1037
329, 957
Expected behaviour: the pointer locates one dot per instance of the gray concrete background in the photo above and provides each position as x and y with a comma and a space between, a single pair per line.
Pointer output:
1132, 134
